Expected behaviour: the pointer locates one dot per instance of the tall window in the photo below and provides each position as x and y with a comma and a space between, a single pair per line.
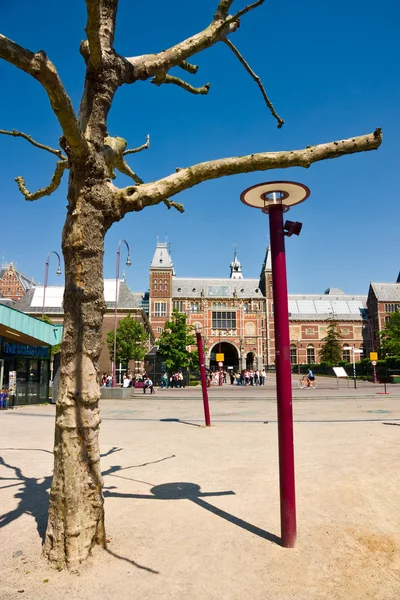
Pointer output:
246, 307
177, 305
160, 309
194, 307
224, 320
310, 354
347, 354
293, 355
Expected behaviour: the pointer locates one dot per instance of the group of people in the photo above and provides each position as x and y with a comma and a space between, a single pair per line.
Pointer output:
244, 377
174, 380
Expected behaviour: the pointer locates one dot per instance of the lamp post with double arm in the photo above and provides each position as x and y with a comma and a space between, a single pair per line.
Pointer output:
128, 264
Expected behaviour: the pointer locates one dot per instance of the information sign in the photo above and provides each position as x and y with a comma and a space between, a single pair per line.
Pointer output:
12, 382
373, 356
219, 357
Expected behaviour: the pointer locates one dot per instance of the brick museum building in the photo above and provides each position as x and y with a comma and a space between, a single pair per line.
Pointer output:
234, 313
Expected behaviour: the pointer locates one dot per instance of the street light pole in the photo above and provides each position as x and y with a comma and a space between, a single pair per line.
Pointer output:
128, 264
275, 198
46, 273
371, 337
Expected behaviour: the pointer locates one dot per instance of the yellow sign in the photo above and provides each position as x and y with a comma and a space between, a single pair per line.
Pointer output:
219, 357
373, 356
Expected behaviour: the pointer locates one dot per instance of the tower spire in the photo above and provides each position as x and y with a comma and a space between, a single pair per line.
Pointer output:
235, 266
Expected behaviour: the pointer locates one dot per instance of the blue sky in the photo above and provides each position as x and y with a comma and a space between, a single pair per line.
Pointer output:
331, 70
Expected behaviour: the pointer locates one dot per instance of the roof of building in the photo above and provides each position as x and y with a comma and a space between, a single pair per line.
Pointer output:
25, 281
344, 307
386, 292
32, 302
161, 258
12, 320
189, 287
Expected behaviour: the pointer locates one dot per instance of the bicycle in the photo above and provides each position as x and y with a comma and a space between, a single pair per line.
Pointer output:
302, 384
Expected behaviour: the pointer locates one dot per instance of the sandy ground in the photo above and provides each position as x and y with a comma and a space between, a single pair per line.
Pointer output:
193, 512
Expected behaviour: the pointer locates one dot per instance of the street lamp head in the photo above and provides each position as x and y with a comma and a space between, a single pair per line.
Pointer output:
128, 261
275, 193
292, 227
58, 270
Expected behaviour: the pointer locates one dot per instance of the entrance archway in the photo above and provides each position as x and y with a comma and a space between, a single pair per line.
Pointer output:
250, 361
231, 356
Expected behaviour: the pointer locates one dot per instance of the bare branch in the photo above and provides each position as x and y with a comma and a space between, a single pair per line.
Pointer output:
53, 185
140, 148
113, 151
124, 168
186, 66
30, 139
246, 9
223, 8
148, 65
42, 69
161, 78
256, 79
100, 28
179, 207
149, 194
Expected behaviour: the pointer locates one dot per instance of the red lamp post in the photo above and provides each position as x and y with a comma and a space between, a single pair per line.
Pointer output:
46, 273
275, 198
128, 264
203, 377
367, 322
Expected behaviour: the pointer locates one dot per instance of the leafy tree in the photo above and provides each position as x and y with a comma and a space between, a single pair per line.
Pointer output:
390, 336
331, 350
94, 203
130, 343
174, 341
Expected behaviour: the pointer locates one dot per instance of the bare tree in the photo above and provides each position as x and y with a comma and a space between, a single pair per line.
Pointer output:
76, 513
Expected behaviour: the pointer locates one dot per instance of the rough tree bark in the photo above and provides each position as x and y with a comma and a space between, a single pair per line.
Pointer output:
76, 513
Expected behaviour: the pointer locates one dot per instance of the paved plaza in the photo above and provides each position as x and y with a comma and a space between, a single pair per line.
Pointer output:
193, 512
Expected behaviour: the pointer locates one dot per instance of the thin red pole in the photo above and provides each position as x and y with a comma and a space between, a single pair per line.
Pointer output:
203, 378
283, 379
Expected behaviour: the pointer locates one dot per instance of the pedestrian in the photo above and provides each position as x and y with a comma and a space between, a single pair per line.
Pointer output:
164, 381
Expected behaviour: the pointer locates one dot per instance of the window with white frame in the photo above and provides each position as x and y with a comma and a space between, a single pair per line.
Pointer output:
223, 319
293, 355
310, 354
160, 309
194, 307
347, 354
177, 305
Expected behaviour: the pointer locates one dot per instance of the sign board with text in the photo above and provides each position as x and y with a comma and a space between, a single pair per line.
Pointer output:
373, 356
339, 372
219, 357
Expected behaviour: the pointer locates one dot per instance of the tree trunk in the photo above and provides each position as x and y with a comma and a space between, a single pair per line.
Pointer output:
76, 512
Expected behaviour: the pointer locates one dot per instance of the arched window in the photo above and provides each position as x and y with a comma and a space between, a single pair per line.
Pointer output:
310, 354
293, 355
347, 354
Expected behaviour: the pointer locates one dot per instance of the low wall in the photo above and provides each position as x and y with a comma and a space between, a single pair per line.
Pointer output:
108, 393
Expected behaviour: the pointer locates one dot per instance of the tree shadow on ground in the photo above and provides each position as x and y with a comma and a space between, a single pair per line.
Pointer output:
191, 491
34, 493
